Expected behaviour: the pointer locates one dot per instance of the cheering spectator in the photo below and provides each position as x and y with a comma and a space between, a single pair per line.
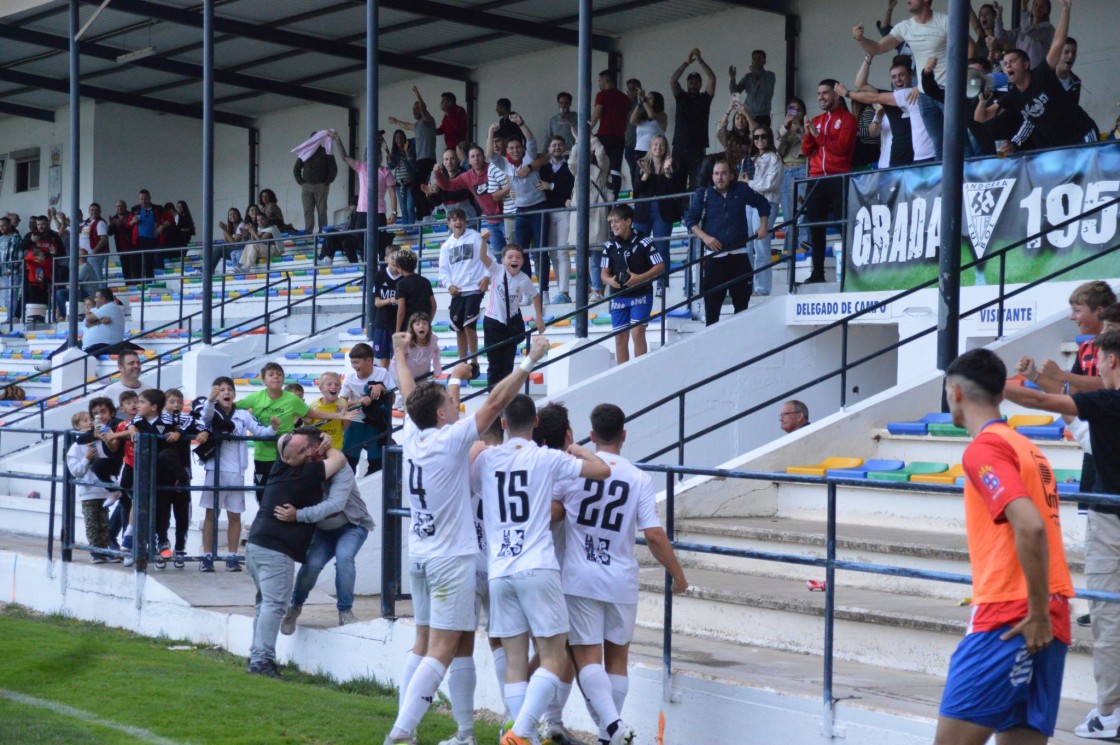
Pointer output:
562, 122
911, 142
315, 176
767, 181
655, 218
489, 186
829, 141
271, 207
757, 87
268, 243
93, 240
649, 120
557, 183
507, 129
521, 166
454, 124
612, 107
690, 129
385, 190
402, 162
424, 128
1066, 76
633, 92
453, 198
790, 135
1034, 35
737, 140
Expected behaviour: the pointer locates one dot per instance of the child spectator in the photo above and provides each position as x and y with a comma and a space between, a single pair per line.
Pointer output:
464, 275
330, 383
37, 282
385, 302
169, 470
295, 388
274, 401
503, 323
181, 499
80, 459
227, 462
414, 293
368, 386
125, 412
422, 357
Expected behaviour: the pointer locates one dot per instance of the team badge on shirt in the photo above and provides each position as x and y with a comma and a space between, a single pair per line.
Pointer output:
989, 478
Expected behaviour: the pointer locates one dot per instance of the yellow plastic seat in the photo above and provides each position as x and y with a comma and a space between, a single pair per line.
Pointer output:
1029, 420
835, 461
945, 477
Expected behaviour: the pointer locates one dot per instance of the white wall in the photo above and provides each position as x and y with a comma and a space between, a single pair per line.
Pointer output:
17, 133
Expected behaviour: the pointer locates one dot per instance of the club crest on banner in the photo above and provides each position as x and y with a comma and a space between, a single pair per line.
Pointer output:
983, 204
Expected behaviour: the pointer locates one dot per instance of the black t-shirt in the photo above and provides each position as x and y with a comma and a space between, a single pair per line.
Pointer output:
635, 255
385, 288
1101, 409
1051, 116
416, 293
300, 487
690, 129
902, 138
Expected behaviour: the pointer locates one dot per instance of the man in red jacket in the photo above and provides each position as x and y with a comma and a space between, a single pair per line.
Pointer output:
829, 141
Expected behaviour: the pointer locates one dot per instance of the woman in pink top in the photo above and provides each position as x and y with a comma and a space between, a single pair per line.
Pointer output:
385, 187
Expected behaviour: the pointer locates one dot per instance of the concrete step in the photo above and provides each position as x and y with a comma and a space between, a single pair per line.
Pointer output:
886, 629
938, 551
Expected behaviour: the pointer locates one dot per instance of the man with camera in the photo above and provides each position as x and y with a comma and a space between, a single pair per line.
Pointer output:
629, 260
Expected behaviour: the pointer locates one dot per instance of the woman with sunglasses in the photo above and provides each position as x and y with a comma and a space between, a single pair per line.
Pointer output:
767, 181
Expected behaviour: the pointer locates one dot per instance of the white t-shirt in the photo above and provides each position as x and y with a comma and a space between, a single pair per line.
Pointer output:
113, 391
354, 387
919, 136
601, 522
886, 140
105, 333
460, 263
521, 292
436, 480
516, 482
927, 40
482, 558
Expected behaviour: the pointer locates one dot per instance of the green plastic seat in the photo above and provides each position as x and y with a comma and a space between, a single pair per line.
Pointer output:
947, 430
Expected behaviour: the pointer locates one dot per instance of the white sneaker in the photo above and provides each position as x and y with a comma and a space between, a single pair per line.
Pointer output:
545, 299
594, 296
1097, 727
623, 735
456, 740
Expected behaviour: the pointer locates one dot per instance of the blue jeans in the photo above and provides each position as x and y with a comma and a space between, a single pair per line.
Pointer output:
528, 230
407, 205
760, 251
933, 116
788, 205
272, 573
659, 230
341, 544
497, 239
594, 271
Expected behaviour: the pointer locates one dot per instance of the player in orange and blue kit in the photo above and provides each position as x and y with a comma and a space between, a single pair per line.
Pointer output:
1006, 675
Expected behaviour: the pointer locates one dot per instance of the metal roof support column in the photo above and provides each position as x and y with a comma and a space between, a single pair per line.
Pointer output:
583, 167
207, 226
952, 184
371, 162
792, 24
353, 121
75, 175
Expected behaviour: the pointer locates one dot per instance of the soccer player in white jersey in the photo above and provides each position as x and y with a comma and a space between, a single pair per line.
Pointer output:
601, 520
442, 542
516, 480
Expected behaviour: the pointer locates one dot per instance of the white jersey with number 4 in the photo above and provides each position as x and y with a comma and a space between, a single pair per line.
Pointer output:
436, 480
601, 522
516, 481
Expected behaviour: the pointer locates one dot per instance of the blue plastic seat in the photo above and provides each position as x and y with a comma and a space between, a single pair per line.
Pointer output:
920, 427
873, 465
1053, 431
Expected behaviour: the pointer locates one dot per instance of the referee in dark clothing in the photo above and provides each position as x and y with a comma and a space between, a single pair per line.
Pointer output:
717, 216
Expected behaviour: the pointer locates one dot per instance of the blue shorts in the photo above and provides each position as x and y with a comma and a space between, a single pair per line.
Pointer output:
628, 310
382, 343
997, 684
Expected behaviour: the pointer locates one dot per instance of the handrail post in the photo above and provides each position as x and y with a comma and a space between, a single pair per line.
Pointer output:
67, 536
143, 492
680, 429
829, 609
214, 499
667, 622
844, 364
1002, 279
390, 532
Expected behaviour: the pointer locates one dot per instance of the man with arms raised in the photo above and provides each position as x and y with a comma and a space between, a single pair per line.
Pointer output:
442, 542
1006, 675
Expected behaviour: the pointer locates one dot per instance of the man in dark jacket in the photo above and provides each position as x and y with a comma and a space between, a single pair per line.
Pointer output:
315, 176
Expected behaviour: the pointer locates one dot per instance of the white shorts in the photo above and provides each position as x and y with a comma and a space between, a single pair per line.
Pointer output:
482, 599
443, 593
596, 621
230, 501
528, 601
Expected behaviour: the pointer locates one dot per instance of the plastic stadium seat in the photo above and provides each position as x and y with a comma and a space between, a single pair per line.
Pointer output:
1054, 431
833, 462
948, 477
947, 430
920, 427
1069, 480
873, 465
1029, 420
917, 468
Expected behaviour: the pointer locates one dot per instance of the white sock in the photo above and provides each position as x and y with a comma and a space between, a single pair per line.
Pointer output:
128, 530
515, 697
410, 664
597, 690
421, 690
620, 684
500, 666
555, 710
461, 680
541, 690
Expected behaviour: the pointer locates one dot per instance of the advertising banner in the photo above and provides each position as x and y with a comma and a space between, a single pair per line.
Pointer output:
894, 219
